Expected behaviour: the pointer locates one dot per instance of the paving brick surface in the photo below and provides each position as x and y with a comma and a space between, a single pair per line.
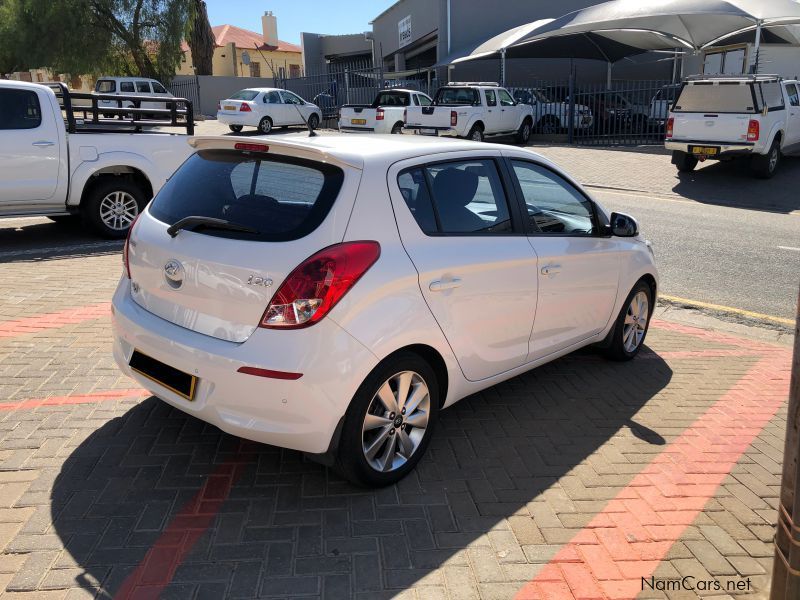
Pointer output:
106, 491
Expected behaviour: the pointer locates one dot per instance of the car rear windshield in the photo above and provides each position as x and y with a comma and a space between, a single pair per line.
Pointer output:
457, 96
281, 198
716, 98
391, 99
244, 95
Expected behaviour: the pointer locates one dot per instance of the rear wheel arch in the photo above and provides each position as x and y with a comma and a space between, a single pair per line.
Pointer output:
130, 174
430, 355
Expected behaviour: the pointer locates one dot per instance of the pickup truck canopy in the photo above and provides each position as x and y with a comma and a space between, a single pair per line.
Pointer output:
735, 96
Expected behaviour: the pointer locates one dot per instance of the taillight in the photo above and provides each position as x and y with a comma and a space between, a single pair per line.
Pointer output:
318, 283
670, 126
125, 258
753, 130
453, 118
379, 114
244, 108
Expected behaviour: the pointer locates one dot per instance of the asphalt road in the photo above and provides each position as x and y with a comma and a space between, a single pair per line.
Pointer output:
734, 257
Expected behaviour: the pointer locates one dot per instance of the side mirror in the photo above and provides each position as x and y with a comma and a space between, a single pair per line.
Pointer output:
623, 225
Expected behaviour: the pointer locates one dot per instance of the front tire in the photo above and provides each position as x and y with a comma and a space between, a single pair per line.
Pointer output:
235, 128
313, 122
112, 205
389, 422
265, 125
524, 132
684, 161
765, 166
550, 125
630, 329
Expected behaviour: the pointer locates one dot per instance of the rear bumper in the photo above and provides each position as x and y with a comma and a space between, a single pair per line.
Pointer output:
725, 148
349, 129
432, 131
249, 119
300, 414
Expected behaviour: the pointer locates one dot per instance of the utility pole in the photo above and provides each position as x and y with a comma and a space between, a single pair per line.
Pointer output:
786, 565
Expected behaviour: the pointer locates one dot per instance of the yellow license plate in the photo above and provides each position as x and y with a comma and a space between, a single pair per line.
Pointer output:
227, 107
704, 150
358, 121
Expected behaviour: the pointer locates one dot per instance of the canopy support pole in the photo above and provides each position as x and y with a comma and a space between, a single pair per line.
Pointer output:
757, 47
608, 75
503, 67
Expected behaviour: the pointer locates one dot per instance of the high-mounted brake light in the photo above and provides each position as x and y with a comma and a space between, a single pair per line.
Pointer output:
453, 118
251, 147
753, 130
670, 126
125, 251
245, 108
318, 283
379, 114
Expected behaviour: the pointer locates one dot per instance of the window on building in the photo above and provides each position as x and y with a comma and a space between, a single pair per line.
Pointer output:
255, 69
294, 71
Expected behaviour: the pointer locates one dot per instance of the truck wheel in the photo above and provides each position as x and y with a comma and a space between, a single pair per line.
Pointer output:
550, 125
235, 128
765, 165
313, 122
397, 128
111, 205
524, 132
389, 422
684, 161
265, 125
476, 133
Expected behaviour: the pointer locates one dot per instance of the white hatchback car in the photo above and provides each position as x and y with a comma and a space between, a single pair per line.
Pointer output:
332, 294
265, 108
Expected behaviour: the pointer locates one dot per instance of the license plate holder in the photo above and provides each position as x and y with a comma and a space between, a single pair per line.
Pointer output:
425, 131
164, 375
704, 150
358, 121
229, 107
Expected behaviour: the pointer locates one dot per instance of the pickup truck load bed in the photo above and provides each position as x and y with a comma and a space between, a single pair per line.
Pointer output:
58, 159
385, 115
725, 117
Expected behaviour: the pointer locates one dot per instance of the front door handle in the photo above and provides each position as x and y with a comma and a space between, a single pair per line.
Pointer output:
551, 269
43, 144
444, 285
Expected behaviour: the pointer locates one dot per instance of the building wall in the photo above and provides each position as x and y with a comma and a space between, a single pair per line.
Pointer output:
319, 48
227, 62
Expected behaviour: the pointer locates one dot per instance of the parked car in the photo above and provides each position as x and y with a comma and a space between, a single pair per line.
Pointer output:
725, 117
472, 110
332, 294
265, 108
327, 105
552, 117
612, 111
385, 115
105, 177
131, 87
661, 103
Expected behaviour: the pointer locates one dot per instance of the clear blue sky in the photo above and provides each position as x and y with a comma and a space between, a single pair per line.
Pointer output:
294, 16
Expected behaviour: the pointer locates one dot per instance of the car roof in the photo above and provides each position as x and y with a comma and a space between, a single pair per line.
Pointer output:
23, 85
132, 78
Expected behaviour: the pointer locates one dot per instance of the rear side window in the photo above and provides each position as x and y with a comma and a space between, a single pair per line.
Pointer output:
143, 87
282, 198
464, 197
716, 98
105, 86
773, 95
19, 109
126, 86
491, 98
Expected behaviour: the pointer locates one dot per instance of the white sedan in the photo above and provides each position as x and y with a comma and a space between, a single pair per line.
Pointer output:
265, 108
332, 294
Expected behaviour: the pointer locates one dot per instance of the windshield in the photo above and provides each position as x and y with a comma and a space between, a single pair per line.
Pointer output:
715, 98
457, 96
244, 95
280, 198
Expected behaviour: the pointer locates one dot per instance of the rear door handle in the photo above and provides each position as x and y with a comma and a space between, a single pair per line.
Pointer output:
551, 269
444, 285
43, 144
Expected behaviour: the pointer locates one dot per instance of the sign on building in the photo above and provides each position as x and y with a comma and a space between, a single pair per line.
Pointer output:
404, 31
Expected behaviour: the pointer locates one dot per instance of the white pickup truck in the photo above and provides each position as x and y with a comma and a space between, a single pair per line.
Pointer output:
725, 117
55, 164
385, 115
472, 110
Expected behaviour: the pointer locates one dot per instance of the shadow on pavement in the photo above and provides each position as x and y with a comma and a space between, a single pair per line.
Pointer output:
38, 239
289, 527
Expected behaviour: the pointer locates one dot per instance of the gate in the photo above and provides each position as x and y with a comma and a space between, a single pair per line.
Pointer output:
187, 86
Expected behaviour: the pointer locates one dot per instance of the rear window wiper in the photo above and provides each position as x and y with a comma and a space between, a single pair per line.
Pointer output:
191, 223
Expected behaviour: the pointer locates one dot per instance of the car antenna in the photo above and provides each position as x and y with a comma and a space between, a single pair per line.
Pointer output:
311, 132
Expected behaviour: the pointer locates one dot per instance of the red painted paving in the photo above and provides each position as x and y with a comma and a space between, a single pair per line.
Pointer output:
104, 396
43, 322
633, 534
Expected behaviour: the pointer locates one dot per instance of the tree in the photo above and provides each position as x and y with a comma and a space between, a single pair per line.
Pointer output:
133, 37
200, 38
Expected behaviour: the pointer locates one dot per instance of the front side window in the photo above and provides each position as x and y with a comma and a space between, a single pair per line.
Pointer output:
794, 97
491, 98
158, 88
505, 98
19, 109
126, 86
105, 86
555, 207
143, 87
290, 98
281, 198
463, 197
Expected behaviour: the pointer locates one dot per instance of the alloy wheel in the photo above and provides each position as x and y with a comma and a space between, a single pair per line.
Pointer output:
118, 210
396, 421
635, 324
773, 159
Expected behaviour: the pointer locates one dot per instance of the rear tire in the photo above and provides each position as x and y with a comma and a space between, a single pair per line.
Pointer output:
765, 166
111, 205
476, 133
524, 132
370, 437
265, 125
397, 128
549, 125
235, 128
685, 162
627, 337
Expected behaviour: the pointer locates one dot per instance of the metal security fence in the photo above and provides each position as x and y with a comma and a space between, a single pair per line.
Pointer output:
626, 113
187, 87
